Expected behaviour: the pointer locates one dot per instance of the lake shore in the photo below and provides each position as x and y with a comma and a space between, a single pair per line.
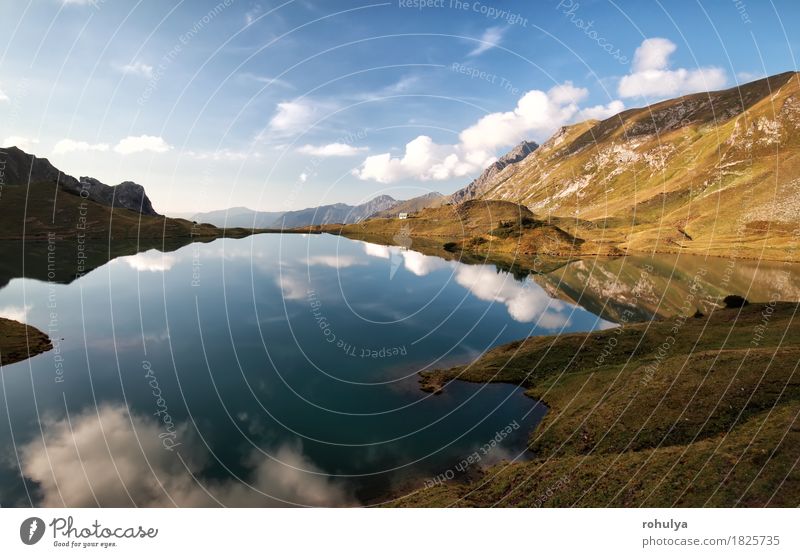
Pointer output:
19, 342
690, 411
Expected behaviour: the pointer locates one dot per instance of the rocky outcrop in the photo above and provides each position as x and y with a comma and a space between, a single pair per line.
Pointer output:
127, 195
485, 181
22, 169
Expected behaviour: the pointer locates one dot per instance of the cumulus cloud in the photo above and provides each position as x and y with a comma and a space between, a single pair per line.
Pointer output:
70, 146
109, 457
490, 39
537, 114
141, 143
601, 111
331, 150
24, 143
139, 69
152, 261
292, 116
652, 77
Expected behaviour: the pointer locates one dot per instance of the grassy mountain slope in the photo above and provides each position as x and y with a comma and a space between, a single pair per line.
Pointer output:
713, 173
710, 421
33, 212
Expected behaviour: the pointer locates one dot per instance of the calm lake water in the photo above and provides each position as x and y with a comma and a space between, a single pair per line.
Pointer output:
282, 370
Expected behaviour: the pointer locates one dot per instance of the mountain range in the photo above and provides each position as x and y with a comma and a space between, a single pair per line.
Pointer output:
716, 173
338, 213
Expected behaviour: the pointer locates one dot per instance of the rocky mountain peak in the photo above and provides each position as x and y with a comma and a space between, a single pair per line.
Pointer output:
479, 186
128, 195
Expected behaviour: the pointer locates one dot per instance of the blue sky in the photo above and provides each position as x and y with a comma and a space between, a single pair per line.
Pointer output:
284, 105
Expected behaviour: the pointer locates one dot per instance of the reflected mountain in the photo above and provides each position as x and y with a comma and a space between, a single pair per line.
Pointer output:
64, 261
632, 288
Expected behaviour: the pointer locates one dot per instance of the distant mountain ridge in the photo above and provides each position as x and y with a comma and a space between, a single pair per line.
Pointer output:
414, 205
338, 213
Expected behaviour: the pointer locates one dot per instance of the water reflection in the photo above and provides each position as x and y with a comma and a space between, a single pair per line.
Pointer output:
288, 365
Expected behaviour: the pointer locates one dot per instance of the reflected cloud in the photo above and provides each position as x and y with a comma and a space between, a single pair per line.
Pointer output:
413, 261
376, 250
16, 313
526, 302
109, 457
335, 261
293, 288
152, 261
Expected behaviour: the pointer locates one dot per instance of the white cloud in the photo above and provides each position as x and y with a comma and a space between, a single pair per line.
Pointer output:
138, 144
109, 457
79, 2
303, 177
490, 39
651, 76
70, 146
152, 261
3, 97
138, 69
24, 143
653, 54
537, 114
600, 111
292, 116
331, 150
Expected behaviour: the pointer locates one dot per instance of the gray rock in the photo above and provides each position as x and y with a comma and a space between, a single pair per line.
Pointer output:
479, 185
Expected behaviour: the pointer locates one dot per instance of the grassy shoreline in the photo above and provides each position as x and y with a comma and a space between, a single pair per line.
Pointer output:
689, 411
19, 342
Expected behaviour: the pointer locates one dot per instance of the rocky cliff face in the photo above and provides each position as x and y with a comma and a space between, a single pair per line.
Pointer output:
22, 169
128, 195
487, 180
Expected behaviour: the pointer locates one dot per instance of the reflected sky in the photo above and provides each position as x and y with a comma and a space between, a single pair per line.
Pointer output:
284, 367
